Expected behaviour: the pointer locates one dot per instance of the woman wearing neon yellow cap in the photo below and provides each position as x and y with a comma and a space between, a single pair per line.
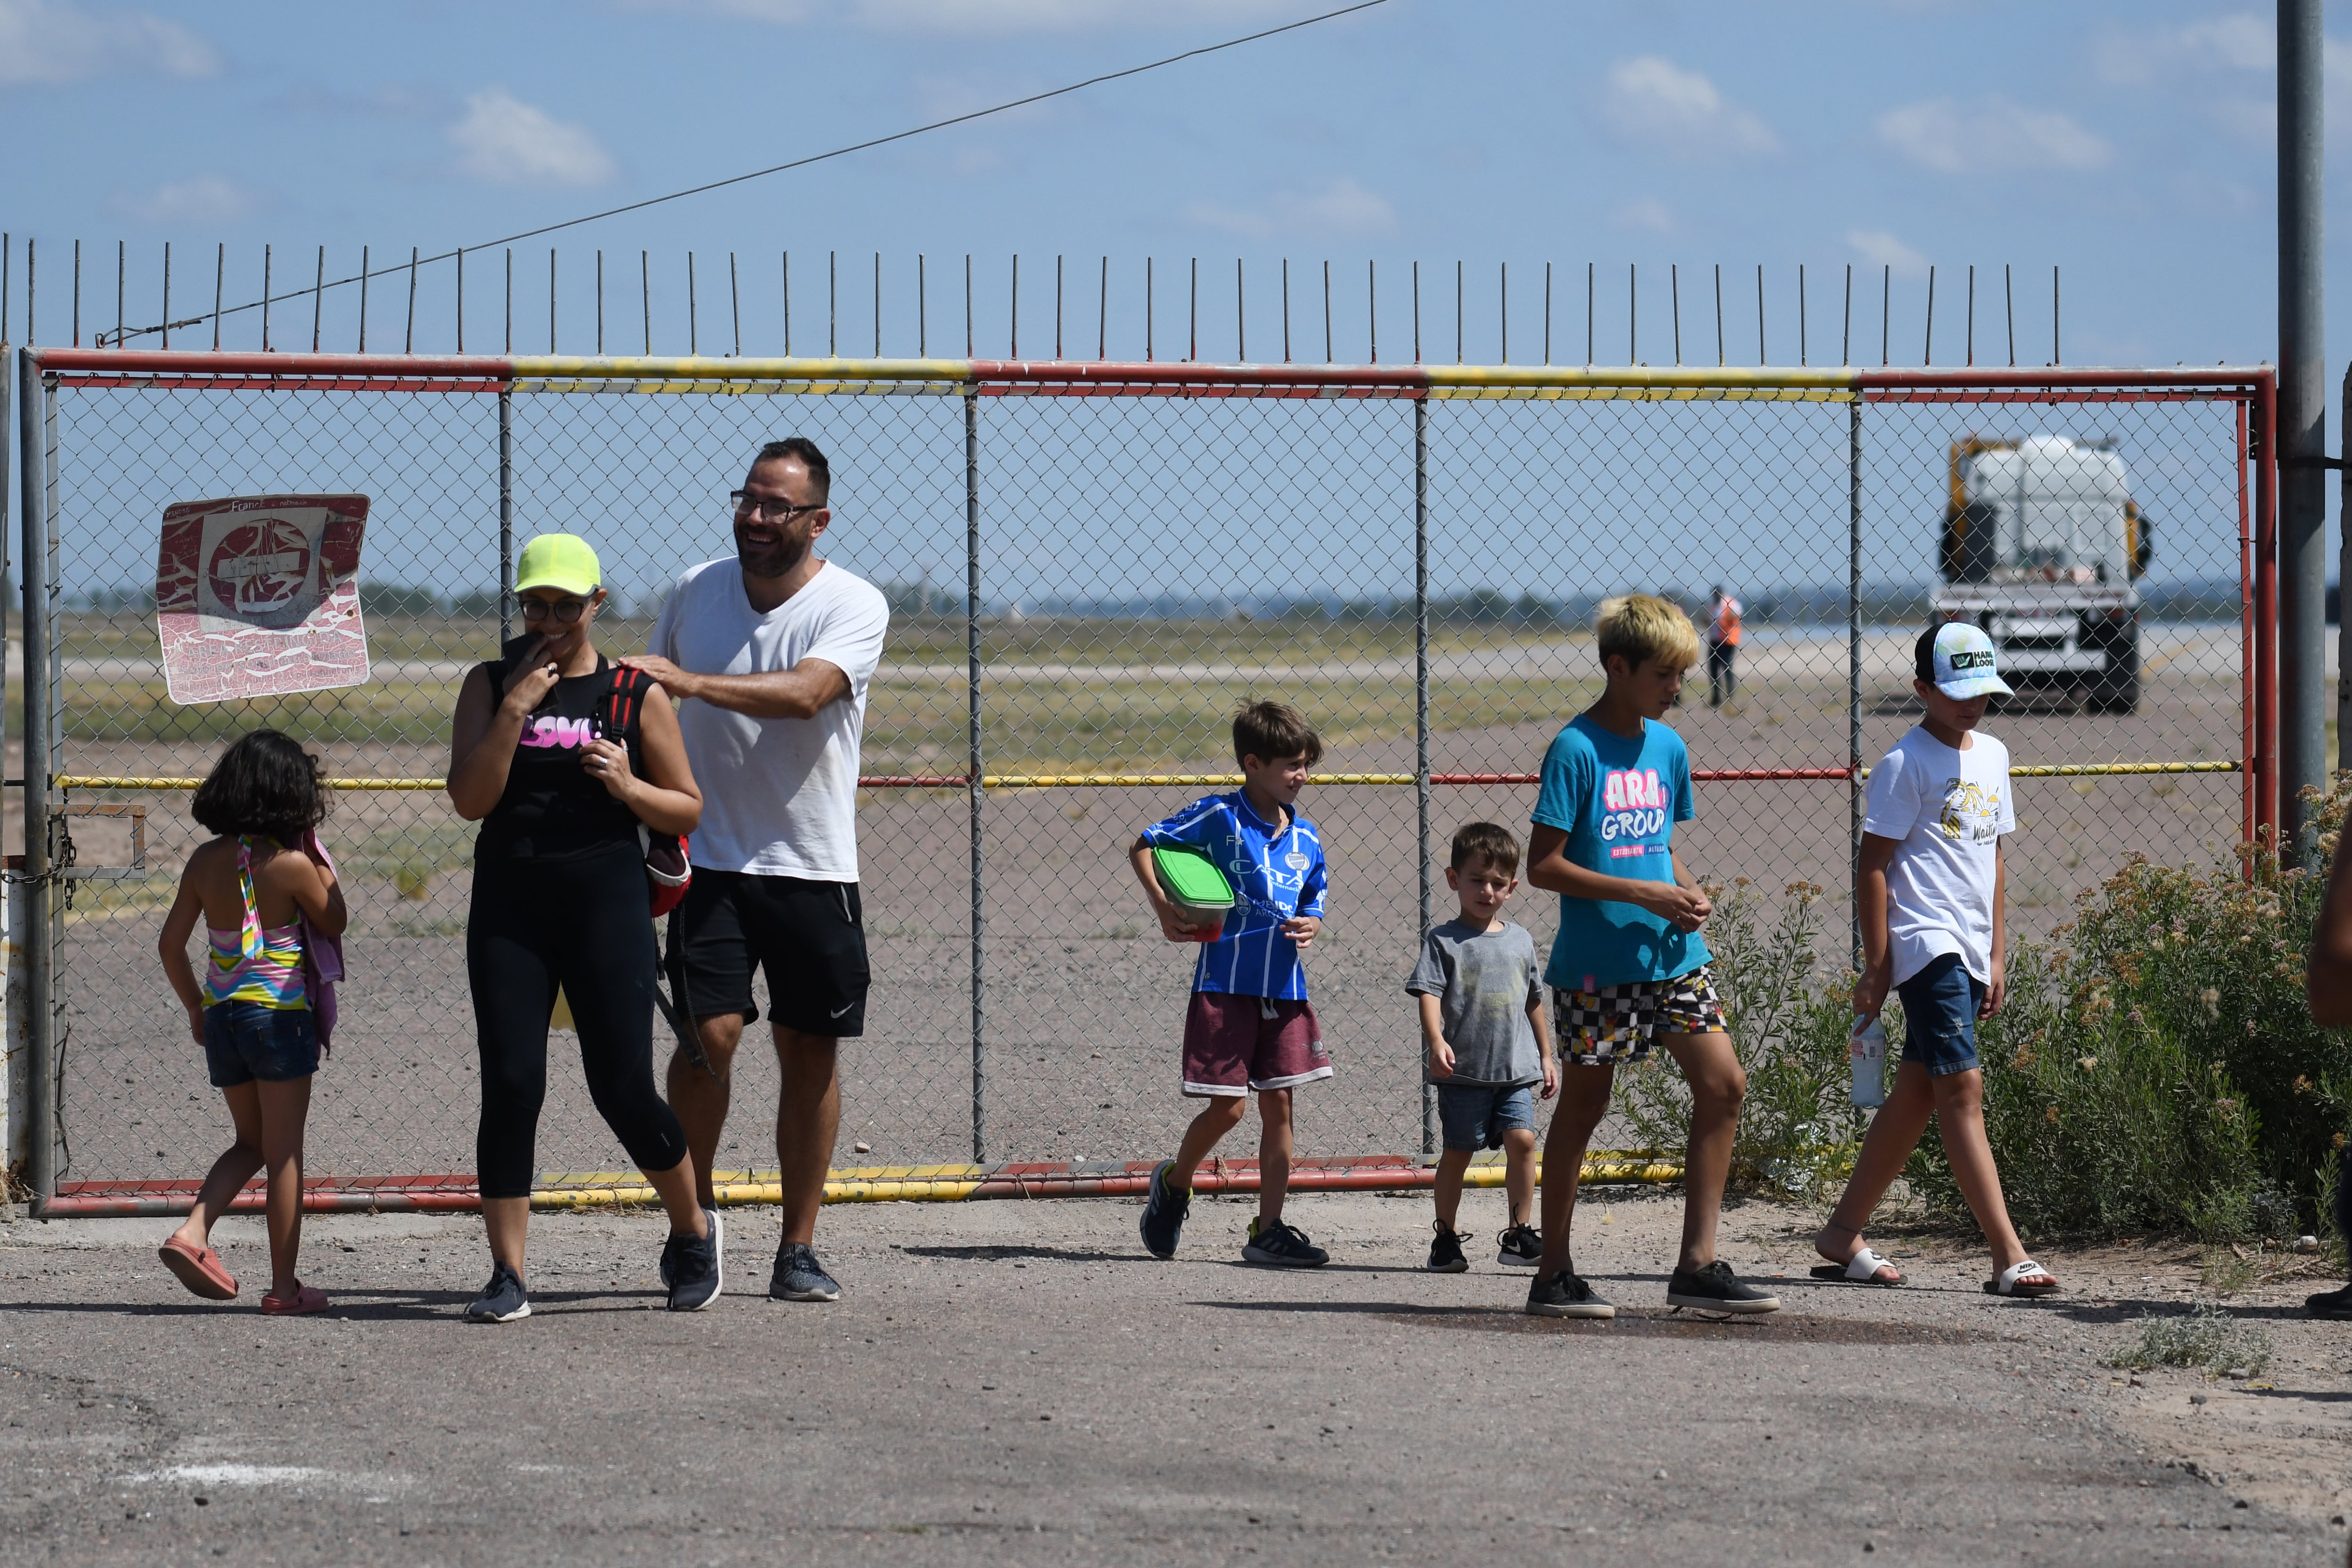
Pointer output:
559, 754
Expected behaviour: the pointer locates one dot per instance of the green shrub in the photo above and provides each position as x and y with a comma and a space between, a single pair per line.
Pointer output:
2207, 1337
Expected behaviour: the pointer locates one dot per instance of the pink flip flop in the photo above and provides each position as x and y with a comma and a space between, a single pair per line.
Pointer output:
199, 1268
309, 1299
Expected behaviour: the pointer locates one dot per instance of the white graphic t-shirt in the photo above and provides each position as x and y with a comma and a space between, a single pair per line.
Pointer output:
1947, 810
779, 795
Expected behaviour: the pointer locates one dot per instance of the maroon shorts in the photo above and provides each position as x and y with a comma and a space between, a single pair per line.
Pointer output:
1233, 1043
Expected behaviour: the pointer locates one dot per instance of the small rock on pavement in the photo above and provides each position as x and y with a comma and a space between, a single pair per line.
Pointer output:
2196, 1399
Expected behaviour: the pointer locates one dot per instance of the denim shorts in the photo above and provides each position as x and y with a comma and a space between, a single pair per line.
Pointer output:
1939, 1016
1477, 1115
245, 1040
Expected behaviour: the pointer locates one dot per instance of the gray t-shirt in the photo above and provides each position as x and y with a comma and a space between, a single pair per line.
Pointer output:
1485, 982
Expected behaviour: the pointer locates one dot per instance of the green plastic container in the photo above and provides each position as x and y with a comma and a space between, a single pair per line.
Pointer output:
1195, 886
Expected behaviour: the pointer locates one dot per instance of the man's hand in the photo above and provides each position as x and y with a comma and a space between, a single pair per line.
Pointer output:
1441, 1059
1685, 908
1997, 990
1550, 1079
679, 683
1301, 929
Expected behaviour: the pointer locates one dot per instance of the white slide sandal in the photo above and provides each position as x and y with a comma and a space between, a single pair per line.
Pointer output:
2007, 1284
1861, 1268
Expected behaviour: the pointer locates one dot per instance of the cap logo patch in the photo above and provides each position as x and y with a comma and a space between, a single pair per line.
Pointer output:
1970, 658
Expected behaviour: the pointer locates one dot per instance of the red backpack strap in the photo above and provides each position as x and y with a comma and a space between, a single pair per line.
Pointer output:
625, 701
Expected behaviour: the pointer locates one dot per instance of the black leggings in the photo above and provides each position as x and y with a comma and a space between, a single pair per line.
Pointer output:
583, 925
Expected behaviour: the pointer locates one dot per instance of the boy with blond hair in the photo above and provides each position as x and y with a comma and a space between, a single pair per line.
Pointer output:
1484, 1042
1629, 969
1250, 1028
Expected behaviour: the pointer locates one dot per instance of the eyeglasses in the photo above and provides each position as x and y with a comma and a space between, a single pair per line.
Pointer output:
564, 610
772, 511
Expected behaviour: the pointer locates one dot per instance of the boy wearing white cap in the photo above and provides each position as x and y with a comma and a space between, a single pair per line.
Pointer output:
1929, 885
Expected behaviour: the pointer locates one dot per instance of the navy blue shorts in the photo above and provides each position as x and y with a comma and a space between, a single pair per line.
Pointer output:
245, 1040
1939, 1016
1477, 1115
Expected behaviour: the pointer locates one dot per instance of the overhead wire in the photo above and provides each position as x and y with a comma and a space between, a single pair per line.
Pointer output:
122, 336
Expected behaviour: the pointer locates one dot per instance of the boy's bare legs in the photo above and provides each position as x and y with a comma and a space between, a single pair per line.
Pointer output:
231, 1171
1519, 1172
1447, 1188
1957, 1100
1583, 1102
1220, 1114
1717, 1085
1894, 1133
1274, 1147
1959, 1113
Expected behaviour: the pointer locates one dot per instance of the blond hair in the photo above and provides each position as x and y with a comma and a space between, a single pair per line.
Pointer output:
1639, 628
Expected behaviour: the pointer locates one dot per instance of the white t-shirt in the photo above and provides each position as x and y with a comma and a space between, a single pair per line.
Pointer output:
1947, 810
779, 795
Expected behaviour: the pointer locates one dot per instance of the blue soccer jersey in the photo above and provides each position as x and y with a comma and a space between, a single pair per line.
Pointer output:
1277, 873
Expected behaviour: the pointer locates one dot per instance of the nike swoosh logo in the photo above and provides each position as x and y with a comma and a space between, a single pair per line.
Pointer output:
837, 1012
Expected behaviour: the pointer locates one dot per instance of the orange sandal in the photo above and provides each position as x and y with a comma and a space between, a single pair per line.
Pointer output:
306, 1300
199, 1268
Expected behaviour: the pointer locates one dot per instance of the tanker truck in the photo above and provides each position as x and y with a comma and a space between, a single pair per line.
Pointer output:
2043, 547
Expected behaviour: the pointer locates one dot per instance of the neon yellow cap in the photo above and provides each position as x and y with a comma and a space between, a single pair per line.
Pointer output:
561, 561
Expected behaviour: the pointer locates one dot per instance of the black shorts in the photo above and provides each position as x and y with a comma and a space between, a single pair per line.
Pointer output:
809, 936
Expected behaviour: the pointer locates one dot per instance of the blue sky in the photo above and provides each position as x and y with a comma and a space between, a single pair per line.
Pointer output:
2130, 144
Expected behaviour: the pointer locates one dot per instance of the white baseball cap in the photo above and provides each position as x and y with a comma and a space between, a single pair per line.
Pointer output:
1958, 660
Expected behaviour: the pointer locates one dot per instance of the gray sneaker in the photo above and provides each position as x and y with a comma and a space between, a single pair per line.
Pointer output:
798, 1276
668, 1270
502, 1300
1282, 1246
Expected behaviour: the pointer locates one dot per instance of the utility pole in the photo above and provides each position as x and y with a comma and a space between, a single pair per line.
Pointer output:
2302, 435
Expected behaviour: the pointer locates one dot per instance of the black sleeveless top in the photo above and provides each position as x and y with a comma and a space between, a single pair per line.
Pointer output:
553, 809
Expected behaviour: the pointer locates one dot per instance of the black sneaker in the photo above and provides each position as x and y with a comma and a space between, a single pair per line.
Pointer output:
798, 1276
710, 1216
1565, 1295
1164, 1209
1282, 1245
1446, 1251
1714, 1289
502, 1300
2336, 1304
692, 1264
1522, 1248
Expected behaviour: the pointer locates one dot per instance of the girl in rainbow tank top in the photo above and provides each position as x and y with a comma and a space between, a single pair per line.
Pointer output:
266, 894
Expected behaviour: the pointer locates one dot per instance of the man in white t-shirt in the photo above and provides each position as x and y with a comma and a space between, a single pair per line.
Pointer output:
770, 651
1927, 885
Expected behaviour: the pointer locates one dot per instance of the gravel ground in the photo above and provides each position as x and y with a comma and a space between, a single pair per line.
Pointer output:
1005, 1381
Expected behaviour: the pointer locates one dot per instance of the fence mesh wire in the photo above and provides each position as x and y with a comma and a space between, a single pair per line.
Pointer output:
1144, 564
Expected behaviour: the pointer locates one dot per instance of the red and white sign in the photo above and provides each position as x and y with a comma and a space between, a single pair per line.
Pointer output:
259, 596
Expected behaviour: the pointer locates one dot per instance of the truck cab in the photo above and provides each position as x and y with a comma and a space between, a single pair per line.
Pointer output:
2043, 547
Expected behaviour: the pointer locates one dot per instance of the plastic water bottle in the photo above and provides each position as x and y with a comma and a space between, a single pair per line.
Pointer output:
1867, 1048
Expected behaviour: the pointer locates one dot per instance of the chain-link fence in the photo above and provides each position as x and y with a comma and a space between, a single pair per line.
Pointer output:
1089, 567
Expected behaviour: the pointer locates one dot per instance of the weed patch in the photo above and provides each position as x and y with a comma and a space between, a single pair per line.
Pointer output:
2207, 1338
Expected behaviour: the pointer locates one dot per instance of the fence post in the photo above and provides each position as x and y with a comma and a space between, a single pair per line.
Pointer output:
1421, 720
506, 518
1854, 660
972, 767
14, 1082
40, 1117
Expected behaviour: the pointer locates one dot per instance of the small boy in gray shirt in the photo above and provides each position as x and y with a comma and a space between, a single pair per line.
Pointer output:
1486, 1041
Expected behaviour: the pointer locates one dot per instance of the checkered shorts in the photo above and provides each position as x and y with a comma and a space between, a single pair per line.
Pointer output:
1617, 1023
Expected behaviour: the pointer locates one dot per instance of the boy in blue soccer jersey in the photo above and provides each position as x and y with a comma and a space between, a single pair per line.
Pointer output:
1629, 968
1250, 1026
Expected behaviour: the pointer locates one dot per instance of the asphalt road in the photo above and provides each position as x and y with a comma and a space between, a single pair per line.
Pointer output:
1016, 1383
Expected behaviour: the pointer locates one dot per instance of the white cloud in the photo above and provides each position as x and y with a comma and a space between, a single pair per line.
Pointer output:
52, 41
1881, 248
1648, 214
185, 204
2241, 42
508, 142
1653, 102
1969, 139
1342, 209
987, 15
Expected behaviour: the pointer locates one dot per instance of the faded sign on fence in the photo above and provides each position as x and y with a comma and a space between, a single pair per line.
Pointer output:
258, 596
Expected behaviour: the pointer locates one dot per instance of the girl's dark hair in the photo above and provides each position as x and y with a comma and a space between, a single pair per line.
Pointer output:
264, 783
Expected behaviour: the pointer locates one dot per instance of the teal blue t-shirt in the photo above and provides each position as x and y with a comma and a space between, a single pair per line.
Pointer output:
1618, 801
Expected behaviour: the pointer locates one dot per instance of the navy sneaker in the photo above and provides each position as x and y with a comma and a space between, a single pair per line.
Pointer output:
1164, 1209
1565, 1295
1446, 1251
710, 1217
1522, 1248
502, 1300
692, 1264
798, 1276
1282, 1245
1714, 1289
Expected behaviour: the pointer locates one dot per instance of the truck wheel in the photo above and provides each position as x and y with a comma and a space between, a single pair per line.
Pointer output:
2115, 689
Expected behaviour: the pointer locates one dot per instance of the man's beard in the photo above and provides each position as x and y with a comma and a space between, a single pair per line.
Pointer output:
770, 560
